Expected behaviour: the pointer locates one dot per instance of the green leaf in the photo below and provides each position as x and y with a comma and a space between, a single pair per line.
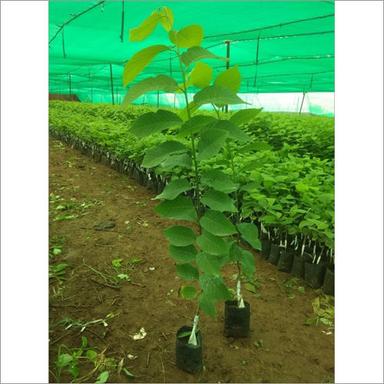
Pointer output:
188, 292
139, 61
197, 53
158, 83
179, 235
207, 305
217, 224
187, 37
217, 95
187, 271
74, 370
212, 244
195, 124
200, 76
180, 208
102, 378
248, 263
234, 132
218, 180
129, 374
244, 116
209, 264
211, 142
166, 18
214, 288
250, 234
174, 189
229, 79
91, 354
156, 155
183, 254
218, 201
192, 107
235, 253
154, 122
63, 360
145, 28
84, 341
179, 160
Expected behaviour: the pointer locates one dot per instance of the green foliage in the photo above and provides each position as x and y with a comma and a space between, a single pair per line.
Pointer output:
250, 234
218, 201
195, 125
75, 360
181, 208
215, 94
217, 223
197, 53
211, 142
156, 155
244, 116
218, 180
174, 189
200, 76
212, 244
159, 83
323, 312
229, 79
139, 61
180, 236
188, 292
187, 37
187, 271
182, 254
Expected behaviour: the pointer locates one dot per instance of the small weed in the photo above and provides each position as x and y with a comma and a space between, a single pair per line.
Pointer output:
324, 312
62, 209
113, 278
72, 360
291, 286
57, 271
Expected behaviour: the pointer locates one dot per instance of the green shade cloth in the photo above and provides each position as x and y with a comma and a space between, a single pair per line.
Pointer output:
279, 46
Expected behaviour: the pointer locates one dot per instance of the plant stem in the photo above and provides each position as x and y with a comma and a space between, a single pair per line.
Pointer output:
237, 217
194, 160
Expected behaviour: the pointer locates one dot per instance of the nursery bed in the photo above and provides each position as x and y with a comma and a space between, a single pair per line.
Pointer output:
281, 347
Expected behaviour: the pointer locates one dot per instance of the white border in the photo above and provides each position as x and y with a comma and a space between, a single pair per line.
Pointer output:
359, 187
359, 191
24, 192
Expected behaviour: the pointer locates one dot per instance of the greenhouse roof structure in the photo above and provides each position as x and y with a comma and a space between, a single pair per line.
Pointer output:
279, 46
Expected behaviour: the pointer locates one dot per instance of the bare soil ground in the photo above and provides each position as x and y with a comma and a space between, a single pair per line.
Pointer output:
281, 349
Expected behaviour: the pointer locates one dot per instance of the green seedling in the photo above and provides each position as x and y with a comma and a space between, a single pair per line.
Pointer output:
199, 253
73, 360
324, 312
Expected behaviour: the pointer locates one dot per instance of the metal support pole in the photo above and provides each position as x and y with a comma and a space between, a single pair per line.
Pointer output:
228, 56
257, 60
158, 99
111, 77
122, 22
63, 43
302, 102
70, 83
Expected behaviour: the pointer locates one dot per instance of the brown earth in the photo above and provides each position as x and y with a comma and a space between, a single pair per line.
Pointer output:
280, 349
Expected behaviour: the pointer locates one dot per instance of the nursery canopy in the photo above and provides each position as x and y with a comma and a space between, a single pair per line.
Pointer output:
279, 46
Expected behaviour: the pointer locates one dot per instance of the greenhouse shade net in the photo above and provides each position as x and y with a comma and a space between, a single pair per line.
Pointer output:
278, 46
